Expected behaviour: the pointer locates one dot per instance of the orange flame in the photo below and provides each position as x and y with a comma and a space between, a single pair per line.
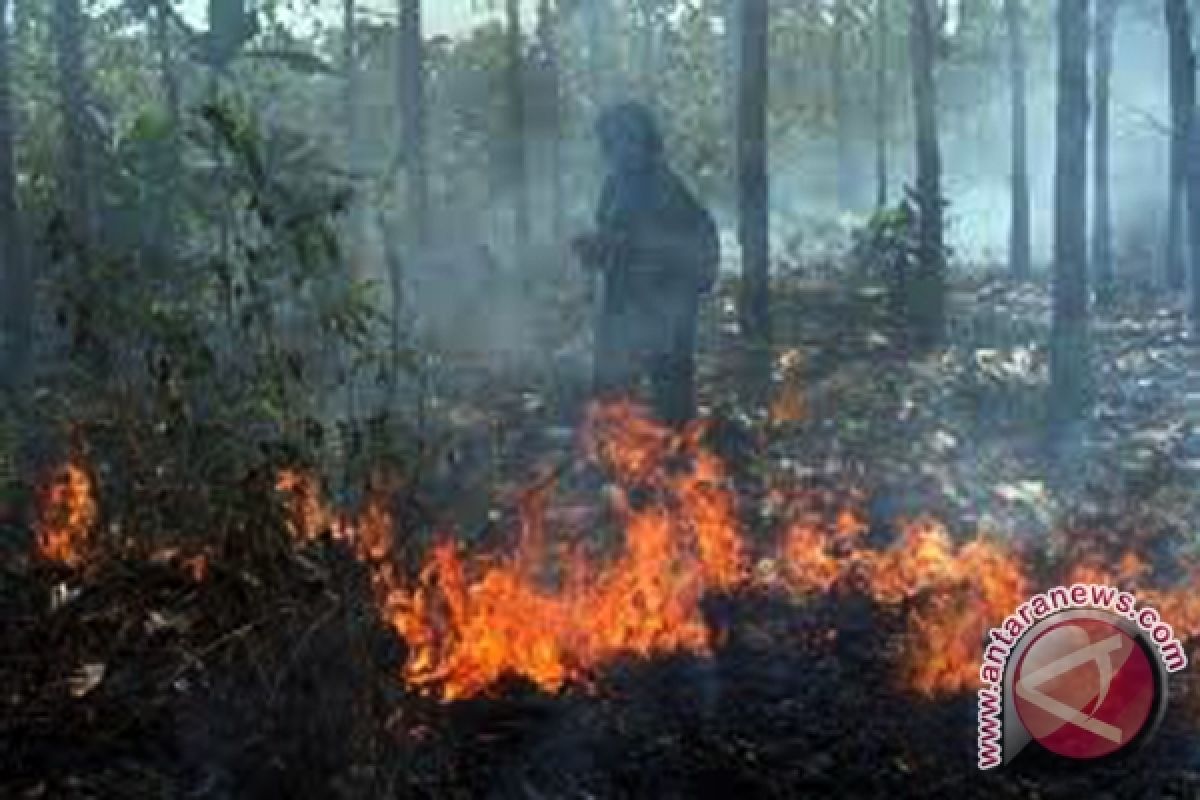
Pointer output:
67, 511
467, 623
954, 595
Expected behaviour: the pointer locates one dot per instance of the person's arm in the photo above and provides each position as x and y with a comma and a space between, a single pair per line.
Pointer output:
604, 248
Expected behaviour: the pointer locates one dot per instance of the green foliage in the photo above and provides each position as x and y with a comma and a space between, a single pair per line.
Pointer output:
886, 251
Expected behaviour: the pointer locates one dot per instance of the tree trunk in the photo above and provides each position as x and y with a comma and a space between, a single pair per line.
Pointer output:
598, 17
647, 46
14, 277
926, 288
413, 115
168, 166
1019, 247
841, 110
516, 131
1068, 350
548, 65
1102, 258
68, 41
1182, 91
753, 229
881, 105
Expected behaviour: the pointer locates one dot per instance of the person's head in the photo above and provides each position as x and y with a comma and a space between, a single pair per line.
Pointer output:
629, 137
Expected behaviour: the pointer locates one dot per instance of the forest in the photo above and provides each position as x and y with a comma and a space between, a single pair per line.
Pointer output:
586, 398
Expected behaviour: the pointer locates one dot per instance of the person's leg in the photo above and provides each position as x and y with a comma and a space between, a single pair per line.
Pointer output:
674, 375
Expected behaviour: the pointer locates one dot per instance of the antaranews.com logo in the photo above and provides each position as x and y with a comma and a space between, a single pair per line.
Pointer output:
1081, 670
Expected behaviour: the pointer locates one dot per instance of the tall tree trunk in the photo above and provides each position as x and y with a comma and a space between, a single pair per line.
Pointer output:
413, 115
1068, 350
350, 71
647, 46
1019, 246
841, 109
1182, 91
598, 17
753, 228
926, 297
548, 65
68, 41
881, 104
516, 129
1102, 259
168, 166
16, 305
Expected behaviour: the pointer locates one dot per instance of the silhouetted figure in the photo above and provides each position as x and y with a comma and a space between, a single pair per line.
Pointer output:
657, 251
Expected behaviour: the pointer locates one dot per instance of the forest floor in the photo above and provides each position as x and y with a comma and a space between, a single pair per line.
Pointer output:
268, 672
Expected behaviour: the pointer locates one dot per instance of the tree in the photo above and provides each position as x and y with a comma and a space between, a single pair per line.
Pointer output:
413, 116
753, 224
841, 108
72, 87
1182, 91
881, 104
516, 129
167, 164
1019, 247
1102, 259
1068, 347
14, 278
550, 107
926, 290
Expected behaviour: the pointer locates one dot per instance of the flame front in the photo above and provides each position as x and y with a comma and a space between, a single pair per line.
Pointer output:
467, 623
66, 512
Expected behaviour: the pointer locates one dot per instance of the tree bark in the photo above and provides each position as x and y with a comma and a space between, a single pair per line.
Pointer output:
1182, 95
1102, 258
413, 116
1019, 246
68, 40
753, 228
548, 65
516, 131
1068, 351
14, 277
168, 166
926, 299
841, 110
881, 105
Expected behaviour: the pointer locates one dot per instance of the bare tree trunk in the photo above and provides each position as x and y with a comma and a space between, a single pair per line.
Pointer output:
14, 277
1019, 247
168, 166
647, 46
841, 109
1102, 258
881, 105
927, 290
413, 116
753, 191
68, 40
1182, 91
516, 131
1068, 351
598, 16
548, 66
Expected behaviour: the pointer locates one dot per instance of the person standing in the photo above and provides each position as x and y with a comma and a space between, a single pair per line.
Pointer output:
657, 252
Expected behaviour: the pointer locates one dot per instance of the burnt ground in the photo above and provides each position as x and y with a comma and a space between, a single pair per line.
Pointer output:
218, 691
273, 676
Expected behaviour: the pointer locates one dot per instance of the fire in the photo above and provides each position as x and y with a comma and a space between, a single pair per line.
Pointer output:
307, 515
790, 403
953, 594
67, 510
468, 622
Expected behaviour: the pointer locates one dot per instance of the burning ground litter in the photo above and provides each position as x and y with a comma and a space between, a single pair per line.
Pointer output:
678, 645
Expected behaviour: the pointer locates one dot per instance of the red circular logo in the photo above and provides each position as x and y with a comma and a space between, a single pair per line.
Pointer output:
1084, 688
